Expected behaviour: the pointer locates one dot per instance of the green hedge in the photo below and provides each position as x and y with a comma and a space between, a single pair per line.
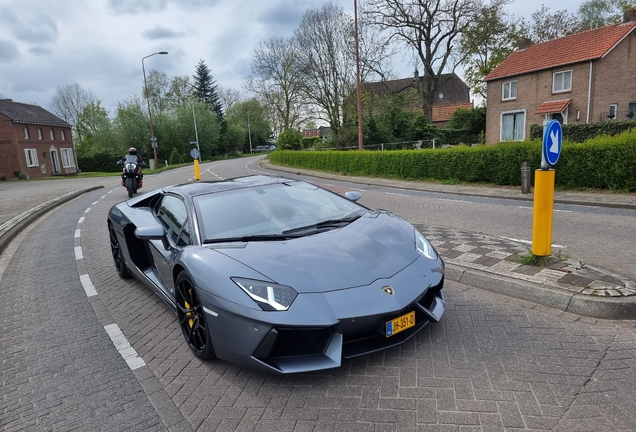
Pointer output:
579, 133
610, 164
99, 162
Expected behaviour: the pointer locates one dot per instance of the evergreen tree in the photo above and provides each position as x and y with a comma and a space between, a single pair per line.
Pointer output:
205, 89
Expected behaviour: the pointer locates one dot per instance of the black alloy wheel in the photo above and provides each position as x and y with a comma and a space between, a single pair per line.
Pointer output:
192, 319
118, 258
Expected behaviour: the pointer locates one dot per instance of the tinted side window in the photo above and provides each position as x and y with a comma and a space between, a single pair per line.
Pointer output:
173, 216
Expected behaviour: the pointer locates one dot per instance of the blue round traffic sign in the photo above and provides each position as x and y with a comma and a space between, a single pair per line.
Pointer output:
195, 153
552, 142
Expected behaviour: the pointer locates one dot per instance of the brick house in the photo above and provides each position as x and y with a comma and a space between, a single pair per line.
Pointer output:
33, 142
452, 93
582, 78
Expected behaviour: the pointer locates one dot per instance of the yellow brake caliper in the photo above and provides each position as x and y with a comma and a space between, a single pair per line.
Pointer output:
190, 313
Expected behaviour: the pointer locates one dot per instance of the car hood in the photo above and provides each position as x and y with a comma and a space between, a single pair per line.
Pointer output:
373, 247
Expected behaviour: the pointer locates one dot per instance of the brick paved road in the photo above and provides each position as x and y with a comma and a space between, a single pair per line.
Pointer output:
492, 363
60, 371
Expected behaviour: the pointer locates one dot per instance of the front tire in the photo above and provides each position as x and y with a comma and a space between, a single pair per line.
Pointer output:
130, 186
118, 258
192, 318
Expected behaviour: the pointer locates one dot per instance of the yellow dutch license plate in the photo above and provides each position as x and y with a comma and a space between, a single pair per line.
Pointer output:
400, 323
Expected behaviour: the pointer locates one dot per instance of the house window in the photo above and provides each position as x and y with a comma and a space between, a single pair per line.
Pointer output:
513, 126
509, 90
63, 136
67, 158
26, 132
31, 157
632, 110
52, 135
562, 81
612, 112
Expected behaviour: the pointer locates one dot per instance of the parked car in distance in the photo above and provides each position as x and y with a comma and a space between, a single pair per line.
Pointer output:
260, 149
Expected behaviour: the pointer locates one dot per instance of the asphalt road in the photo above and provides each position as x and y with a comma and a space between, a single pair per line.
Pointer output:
493, 363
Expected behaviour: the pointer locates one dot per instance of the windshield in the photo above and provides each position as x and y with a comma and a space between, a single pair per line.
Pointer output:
131, 159
272, 210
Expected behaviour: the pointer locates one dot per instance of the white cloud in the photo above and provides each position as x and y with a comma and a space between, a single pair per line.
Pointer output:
99, 44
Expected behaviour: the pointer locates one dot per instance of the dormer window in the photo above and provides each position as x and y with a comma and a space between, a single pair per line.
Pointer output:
441, 96
562, 81
509, 90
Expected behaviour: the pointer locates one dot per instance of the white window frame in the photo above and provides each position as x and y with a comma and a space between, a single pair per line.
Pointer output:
52, 135
63, 135
508, 86
67, 158
26, 132
615, 106
523, 130
563, 75
31, 156
40, 133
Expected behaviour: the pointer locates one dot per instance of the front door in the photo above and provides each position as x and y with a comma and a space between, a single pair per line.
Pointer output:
55, 161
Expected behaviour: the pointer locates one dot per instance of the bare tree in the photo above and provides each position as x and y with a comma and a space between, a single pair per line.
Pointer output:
69, 102
179, 92
324, 38
229, 97
279, 81
431, 28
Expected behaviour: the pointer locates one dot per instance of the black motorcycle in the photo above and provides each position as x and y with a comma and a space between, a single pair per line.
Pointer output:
131, 177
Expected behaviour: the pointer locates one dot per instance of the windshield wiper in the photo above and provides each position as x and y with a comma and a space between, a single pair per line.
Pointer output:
255, 237
332, 223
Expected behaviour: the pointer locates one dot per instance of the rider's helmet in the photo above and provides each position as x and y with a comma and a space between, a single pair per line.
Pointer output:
132, 151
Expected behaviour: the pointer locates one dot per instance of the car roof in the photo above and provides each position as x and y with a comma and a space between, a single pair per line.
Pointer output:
202, 188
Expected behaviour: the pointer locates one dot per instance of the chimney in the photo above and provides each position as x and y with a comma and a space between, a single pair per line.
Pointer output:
524, 43
629, 15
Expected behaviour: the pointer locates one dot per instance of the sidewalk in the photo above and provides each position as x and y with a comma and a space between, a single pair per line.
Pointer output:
486, 262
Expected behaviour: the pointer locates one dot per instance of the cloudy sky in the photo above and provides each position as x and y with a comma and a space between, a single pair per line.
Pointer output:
99, 44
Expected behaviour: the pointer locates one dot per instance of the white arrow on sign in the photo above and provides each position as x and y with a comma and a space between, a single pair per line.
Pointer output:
554, 137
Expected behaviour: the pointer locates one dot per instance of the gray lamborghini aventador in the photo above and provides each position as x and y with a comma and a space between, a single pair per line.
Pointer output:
276, 274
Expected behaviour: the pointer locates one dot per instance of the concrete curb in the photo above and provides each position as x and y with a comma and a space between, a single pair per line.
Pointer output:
614, 308
12, 227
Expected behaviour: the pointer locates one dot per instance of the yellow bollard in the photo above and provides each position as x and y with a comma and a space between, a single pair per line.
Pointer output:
197, 172
543, 209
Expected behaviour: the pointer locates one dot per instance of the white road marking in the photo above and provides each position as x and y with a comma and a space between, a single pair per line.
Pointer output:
455, 200
87, 210
77, 233
81, 220
78, 253
530, 242
89, 288
123, 346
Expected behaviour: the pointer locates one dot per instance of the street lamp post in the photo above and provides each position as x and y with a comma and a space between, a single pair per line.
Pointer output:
249, 134
355, 12
153, 141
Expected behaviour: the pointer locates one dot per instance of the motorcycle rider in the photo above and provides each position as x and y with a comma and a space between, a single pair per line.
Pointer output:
138, 159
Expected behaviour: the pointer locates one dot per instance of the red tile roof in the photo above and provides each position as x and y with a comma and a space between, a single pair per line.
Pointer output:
576, 48
444, 113
553, 106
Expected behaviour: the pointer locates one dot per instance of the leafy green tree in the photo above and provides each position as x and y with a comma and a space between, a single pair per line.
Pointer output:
179, 92
599, 13
290, 139
252, 117
486, 43
131, 127
95, 128
158, 86
472, 120
545, 26
205, 89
